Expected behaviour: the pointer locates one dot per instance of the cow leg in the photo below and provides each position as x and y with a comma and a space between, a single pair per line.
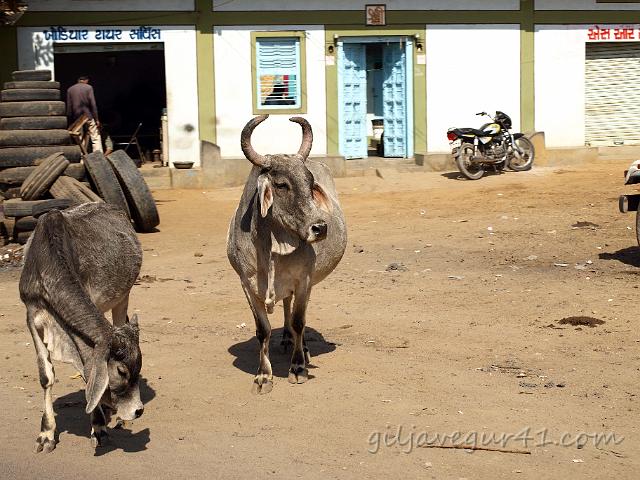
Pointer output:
119, 312
99, 435
263, 383
286, 329
46, 441
297, 371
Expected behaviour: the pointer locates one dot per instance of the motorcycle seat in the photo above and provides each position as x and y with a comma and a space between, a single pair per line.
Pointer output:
474, 131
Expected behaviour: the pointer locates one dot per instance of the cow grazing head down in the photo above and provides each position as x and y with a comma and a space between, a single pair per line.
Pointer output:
114, 379
290, 199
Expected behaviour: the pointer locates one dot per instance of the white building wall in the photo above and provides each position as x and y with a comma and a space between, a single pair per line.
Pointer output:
583, 5
285, 5
462, 81
232, 51
559, 84
35, 51
111, 5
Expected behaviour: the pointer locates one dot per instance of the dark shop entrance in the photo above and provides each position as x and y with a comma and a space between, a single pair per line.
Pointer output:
129, 85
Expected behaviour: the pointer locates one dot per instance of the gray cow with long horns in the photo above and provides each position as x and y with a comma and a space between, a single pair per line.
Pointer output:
287, 234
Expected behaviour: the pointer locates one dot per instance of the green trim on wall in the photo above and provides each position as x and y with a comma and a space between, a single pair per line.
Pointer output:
9, 62
419, 82
206, 74
300, 35
342, 18
527, 67
36, 19
577, 17
355, 18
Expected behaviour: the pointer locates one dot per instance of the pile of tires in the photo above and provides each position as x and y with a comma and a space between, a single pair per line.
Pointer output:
41, 168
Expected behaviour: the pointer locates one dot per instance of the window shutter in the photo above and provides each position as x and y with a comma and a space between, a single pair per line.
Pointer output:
278, 71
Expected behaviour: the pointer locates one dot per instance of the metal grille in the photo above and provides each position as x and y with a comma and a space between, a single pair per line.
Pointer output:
612, 93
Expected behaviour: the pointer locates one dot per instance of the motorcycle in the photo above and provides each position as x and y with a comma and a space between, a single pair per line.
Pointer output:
492, 145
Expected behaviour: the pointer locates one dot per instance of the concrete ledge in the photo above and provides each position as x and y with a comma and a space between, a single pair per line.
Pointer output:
156, 178
218, 172
186, 178
622, 152
570, 156
337, 165
435, 162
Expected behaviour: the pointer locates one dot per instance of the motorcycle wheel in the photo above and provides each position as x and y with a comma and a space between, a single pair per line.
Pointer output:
523, 161
472, 171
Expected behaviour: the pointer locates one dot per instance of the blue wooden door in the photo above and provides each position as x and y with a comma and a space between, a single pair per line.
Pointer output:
394, 97
352, 98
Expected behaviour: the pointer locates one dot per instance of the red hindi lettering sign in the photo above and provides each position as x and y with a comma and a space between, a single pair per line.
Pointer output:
618, 32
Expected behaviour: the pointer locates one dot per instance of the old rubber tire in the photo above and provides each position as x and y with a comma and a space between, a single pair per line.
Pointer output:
104, 180
30, 94
32, 84
26, 224
17, 175
521, 164
13, 192
29, 75
463, 161
72, 189
46, 205
33, 123
27, 156
143, 207
23, 208
23, 237
43, 176
29, 109
27, 138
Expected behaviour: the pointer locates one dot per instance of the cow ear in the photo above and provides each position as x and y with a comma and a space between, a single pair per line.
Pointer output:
322, 199
98, 380
265, 192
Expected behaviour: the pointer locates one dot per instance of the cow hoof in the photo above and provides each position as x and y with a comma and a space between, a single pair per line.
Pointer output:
44, 444
262, 384
298, 374
99, 438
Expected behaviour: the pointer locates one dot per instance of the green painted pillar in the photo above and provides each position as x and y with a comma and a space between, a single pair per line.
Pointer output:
331, 85
206, 80
9, 57
527, 64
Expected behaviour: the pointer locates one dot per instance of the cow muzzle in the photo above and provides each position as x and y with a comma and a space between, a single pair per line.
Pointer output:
317, 231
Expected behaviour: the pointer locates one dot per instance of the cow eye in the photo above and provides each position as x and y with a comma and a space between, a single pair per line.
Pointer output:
122, 371
281, 186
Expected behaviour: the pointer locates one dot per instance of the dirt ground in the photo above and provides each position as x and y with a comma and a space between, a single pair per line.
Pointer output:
444, 316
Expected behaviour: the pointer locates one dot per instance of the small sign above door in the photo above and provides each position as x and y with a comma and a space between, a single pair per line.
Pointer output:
376, 15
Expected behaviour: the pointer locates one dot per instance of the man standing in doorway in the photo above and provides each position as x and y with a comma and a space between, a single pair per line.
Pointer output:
80, 100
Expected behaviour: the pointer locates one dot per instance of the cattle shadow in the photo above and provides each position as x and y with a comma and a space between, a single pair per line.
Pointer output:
628, 256
71, 418
247, 352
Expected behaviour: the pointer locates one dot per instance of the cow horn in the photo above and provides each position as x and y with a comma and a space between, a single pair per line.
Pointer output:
245, 142
307, 136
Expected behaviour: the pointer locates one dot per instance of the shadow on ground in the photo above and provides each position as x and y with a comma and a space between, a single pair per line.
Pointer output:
71, 418
629, 256
247, 352
459, 176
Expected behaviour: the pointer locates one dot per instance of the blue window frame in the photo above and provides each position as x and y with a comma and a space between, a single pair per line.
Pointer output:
278, 73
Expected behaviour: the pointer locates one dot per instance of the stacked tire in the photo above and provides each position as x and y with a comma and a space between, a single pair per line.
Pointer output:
41, 169
33, 123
